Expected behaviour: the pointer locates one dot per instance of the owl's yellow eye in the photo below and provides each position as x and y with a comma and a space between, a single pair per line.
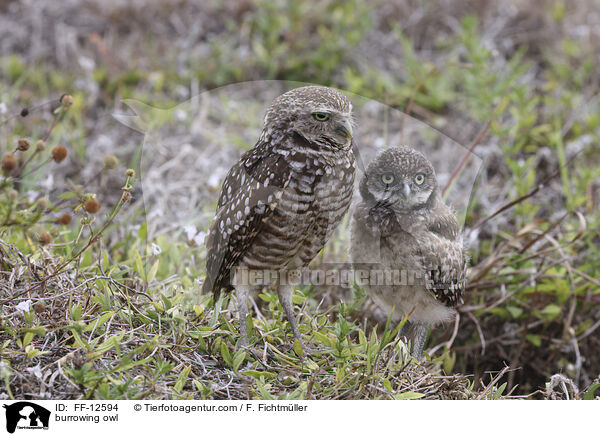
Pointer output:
419, 178
388, 179
320, 116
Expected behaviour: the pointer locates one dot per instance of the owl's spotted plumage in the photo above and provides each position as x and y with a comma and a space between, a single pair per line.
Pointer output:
282, 201
403, 228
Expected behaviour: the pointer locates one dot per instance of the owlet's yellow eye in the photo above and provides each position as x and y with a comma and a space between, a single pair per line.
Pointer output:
419, 178
388, 179
320, 116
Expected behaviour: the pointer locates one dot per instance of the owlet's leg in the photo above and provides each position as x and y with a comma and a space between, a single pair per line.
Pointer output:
419, 335
405, 329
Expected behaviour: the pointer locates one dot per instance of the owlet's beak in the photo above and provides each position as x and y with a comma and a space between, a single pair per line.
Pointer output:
405, 189
345, 129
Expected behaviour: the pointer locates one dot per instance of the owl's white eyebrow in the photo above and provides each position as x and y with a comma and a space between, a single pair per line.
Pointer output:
329, 111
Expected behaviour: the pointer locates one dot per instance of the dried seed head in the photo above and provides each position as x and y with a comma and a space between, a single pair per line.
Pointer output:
9, 162
91, 205
41, 203
130, 172
66, 100
23, 144
45, 238
111, 161
24, 112
59, 153
65, 219
39, 307
126, 197
40, 145
13, 194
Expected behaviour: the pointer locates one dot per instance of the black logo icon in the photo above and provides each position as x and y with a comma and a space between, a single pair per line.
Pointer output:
26, 415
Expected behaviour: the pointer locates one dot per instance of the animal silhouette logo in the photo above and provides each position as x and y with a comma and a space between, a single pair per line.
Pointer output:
24, 414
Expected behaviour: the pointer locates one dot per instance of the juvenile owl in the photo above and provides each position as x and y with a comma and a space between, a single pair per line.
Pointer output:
282, 201
406, 246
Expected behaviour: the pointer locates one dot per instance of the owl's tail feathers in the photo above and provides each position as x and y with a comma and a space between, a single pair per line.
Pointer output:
210, 287
206, 286
215, 287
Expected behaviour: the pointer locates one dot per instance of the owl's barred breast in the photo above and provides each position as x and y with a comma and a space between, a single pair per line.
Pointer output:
312, 204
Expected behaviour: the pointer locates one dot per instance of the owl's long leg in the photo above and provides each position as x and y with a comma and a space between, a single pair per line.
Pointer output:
405, 329
419, 335
285, 293
241, 292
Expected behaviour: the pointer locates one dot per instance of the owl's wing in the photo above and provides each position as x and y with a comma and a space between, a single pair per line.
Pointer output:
248, 197
443, 259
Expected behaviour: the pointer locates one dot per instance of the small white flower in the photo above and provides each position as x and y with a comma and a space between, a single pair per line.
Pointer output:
36, 370
23, 306
5, 372
194, 235
214, 180
199, 238
155, 249
48, 183
190, 231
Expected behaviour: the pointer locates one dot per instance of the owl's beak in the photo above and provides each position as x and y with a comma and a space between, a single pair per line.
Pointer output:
405, 189
345, 129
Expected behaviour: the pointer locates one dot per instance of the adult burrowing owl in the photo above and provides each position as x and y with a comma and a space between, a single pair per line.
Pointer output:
406, 247
281, 202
